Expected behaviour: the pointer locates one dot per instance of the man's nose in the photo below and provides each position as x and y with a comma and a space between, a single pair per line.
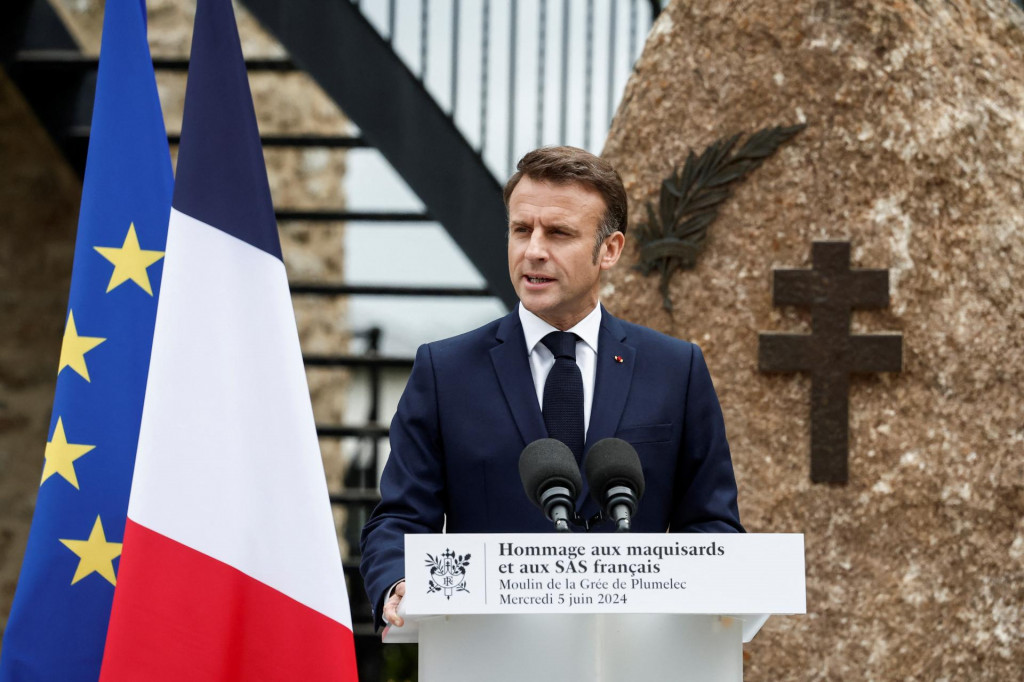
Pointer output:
536, 249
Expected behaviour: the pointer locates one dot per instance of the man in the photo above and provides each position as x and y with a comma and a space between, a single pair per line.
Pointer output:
473, 402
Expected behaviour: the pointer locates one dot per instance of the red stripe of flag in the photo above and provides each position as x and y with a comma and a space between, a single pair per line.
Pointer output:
184, 615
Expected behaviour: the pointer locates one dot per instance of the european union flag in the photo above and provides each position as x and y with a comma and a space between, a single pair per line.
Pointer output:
58, 622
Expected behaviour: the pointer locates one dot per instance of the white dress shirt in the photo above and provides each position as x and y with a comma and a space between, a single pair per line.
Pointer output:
542, 360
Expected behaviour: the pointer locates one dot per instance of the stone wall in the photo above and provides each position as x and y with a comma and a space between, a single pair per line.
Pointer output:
913, 151
39, 194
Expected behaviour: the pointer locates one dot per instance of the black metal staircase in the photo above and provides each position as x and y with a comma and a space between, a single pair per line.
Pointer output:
342, 51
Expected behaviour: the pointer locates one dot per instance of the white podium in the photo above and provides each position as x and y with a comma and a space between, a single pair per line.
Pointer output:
594, 607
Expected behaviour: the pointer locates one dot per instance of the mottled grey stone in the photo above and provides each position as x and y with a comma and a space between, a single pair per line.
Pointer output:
913, 152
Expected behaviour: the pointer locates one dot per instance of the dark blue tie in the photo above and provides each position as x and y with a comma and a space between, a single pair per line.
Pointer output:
563, 393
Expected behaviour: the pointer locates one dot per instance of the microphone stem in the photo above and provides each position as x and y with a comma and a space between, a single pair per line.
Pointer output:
621, 514
557, 505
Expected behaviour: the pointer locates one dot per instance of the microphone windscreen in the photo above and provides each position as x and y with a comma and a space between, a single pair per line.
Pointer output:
612, 462
545, 463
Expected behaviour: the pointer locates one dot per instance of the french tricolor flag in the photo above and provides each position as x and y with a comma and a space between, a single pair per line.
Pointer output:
230, 568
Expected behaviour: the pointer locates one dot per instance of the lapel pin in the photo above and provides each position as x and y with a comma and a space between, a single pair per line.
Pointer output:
618, 358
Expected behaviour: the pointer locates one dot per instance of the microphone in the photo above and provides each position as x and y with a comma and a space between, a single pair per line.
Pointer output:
616, 480
551, 479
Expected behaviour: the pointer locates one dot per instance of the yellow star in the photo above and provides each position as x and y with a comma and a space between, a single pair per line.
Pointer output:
60, 456
96, 555
130, 262
74, 348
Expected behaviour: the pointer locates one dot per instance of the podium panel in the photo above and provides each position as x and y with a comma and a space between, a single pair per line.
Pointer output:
594, 607
580, 648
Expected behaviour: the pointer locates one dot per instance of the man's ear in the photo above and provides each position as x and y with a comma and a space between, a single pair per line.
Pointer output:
611, 249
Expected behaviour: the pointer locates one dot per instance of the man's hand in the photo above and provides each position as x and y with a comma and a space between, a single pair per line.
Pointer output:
391, 605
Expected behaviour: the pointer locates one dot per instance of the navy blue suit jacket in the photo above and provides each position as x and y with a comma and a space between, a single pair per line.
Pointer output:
470, 408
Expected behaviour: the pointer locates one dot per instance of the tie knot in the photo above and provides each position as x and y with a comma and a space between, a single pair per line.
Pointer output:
561, 344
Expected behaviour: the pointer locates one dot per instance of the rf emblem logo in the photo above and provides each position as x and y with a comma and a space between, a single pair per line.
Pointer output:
447, 573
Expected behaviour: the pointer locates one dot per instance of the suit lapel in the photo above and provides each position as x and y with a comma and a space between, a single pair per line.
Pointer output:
611, 387
611, 384
512, 366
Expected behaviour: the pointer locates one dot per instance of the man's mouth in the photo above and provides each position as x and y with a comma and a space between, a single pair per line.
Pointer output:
538, 280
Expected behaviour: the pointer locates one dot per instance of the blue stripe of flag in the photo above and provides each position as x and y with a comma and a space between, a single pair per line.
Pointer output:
222, 175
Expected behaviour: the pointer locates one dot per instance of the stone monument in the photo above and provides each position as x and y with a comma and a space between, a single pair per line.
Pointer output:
913, 153
40, 195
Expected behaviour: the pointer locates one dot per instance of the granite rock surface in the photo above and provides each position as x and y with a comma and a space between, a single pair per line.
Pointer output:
914, 153
39, 194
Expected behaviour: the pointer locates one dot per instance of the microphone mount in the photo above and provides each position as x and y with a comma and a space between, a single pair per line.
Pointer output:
621, 502
556, 502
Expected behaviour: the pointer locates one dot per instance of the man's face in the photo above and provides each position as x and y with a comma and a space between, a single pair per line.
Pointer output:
552, 232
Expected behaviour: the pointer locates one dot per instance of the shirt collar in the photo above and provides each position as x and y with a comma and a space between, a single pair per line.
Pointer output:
535, 329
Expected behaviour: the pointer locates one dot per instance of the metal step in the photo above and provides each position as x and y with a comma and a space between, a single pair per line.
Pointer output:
299, 289
361, 361
325, 215
369, 496
73, 60
365, 431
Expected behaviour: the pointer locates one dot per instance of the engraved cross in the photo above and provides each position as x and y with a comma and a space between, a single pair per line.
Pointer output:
830, 353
